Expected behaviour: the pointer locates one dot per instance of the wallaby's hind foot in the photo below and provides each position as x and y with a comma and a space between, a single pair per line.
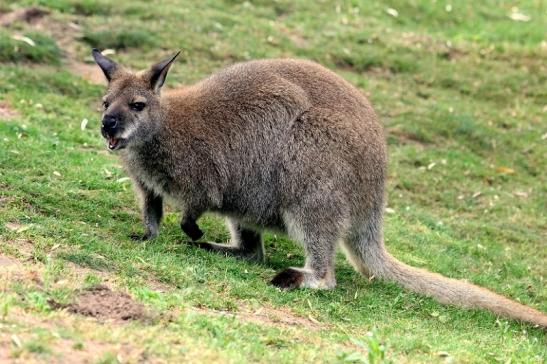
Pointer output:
291, 278
319, 240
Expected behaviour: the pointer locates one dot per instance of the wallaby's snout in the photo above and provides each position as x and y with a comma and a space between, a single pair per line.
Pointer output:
110, 122
110, 130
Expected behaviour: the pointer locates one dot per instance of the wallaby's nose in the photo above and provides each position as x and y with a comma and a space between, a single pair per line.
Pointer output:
110, 122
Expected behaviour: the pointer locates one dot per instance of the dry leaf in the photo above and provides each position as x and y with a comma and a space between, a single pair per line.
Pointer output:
312, 319
12, 226
22, 38
108, 52
83, 124
16, 340
505, 170
517, 15
394, 13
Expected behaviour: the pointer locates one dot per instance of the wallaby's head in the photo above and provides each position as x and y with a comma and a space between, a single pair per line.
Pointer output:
132, 101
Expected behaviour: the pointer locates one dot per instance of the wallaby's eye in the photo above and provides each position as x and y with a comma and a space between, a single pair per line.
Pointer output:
105, 105
137, 106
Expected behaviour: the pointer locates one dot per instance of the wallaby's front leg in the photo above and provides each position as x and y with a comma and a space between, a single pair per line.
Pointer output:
152, 212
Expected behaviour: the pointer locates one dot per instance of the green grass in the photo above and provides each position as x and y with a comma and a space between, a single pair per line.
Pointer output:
118, 39
30, 47
461, 93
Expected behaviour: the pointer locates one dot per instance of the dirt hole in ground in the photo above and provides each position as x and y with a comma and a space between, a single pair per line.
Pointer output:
104, 304
28, 15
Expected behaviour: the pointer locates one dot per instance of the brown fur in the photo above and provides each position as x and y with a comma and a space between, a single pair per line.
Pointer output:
274, 144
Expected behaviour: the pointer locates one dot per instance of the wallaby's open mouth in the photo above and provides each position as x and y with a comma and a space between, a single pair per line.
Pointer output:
114, 143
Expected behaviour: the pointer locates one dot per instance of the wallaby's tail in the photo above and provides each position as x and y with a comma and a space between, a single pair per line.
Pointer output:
378, 262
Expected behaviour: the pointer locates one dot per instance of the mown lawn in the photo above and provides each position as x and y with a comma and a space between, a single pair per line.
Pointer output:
461, 89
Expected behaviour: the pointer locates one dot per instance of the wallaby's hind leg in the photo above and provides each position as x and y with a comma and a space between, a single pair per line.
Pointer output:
319, 241
245, 243
364, 245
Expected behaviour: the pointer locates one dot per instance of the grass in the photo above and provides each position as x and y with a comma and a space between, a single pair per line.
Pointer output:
118, 39
461, 92
31, 47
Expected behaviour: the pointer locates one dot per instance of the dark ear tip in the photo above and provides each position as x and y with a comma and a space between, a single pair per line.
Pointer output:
175, 56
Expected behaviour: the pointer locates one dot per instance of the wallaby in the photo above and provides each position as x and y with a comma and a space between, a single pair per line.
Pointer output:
282, 144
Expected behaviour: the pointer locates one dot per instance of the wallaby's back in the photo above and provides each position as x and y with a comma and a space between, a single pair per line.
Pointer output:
275, 126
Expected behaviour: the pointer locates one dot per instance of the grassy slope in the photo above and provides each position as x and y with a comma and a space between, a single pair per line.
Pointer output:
461, 93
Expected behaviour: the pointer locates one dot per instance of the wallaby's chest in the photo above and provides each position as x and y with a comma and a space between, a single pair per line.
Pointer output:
151, 168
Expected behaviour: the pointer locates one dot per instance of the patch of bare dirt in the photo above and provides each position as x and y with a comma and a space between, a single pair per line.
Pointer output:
269, 316
89, 72
27, 15
104, 304
65, 350
64, 33
6, 111
6, 262
403, 137
25, 247
294, 36
445, 50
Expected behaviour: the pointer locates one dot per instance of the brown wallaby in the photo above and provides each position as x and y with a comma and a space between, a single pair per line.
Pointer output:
280, 144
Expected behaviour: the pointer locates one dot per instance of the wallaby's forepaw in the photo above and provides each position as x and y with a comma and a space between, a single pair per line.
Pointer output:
288, 279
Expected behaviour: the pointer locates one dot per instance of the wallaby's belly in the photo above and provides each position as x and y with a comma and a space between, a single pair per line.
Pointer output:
255, 201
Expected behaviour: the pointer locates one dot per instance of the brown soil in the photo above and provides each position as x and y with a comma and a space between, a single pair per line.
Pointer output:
6, 111
64, 350
269, 316
403, 137
6, 261
104, 304
90, 72
28, 15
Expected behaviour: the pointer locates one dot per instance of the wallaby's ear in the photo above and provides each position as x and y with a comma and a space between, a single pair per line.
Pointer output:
108, 66
158, 72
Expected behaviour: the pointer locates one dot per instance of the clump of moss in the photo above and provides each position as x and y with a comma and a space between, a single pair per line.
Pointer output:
30, 47
119, 39
80, 7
